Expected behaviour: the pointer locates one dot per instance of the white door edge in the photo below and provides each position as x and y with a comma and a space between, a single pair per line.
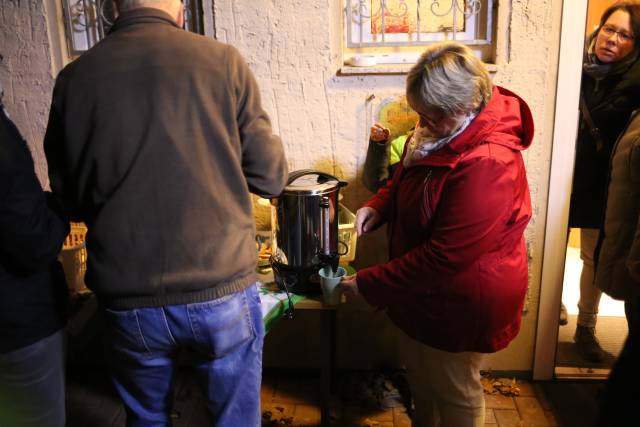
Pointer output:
574, 15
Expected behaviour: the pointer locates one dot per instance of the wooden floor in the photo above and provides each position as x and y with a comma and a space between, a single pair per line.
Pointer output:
292, 399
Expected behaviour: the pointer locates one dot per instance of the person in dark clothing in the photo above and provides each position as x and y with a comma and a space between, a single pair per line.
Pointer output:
617, 260
156, 138
610, 92
33, 292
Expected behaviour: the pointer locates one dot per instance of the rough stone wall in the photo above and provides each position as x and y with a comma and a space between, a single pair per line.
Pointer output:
324, 119
25, 72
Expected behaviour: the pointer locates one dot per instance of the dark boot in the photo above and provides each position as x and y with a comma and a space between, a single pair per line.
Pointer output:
588, 344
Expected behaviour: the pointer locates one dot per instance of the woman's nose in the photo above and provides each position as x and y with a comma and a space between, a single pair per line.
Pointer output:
613, 38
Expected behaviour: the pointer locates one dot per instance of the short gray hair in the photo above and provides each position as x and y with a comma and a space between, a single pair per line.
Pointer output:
124, 5
449, 78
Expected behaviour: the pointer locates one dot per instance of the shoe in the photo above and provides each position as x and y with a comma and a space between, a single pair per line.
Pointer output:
564, 319
588, 344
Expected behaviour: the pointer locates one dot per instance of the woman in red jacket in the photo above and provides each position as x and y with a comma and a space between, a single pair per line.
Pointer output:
456, 210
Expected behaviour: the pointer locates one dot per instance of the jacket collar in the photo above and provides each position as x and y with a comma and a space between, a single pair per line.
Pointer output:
143, 15
506, 114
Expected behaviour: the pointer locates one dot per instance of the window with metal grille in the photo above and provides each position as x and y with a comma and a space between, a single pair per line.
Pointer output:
393, 31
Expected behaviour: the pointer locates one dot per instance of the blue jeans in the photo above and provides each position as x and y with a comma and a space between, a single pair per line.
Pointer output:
224, 337
32, 384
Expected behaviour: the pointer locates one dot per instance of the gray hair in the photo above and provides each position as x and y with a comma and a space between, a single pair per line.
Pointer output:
124, 5
449, 78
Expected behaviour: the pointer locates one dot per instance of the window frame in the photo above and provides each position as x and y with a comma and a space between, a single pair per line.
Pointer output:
393, 56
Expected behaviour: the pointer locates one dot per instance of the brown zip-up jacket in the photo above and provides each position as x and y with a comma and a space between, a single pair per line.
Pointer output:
156, 137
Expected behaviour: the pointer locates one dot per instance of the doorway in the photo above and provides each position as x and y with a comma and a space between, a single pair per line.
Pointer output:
555, 353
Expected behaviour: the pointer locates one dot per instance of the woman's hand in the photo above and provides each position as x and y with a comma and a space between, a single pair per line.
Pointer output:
379, 133
367, 219
349, 287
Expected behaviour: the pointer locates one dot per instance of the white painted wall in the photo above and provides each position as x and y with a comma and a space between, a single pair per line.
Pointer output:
293, 46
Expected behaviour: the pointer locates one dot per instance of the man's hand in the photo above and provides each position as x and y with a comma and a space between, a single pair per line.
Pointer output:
379, 133
367, 219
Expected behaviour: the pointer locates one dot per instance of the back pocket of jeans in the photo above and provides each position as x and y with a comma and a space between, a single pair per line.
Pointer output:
124, 330
222, 325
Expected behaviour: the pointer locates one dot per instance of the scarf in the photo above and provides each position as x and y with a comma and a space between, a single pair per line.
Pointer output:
423, 143
598, 70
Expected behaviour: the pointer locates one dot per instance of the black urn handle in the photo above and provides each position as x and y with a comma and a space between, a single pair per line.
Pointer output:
323, 175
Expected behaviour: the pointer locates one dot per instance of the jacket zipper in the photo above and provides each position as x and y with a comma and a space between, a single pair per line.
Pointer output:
427, 196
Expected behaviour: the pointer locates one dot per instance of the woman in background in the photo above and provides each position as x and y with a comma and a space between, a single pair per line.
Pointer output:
456, 209
610, 92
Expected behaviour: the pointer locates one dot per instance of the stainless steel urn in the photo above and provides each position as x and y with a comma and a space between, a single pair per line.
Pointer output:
305, 224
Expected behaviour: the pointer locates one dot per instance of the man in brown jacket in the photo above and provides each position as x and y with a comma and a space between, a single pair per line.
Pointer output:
156, 137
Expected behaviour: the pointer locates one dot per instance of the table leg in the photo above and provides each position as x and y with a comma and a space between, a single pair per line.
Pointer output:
328, 362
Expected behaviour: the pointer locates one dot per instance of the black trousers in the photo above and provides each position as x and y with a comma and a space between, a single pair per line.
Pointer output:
621, 397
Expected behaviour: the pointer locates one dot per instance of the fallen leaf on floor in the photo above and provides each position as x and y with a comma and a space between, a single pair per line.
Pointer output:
503, 386
269, 420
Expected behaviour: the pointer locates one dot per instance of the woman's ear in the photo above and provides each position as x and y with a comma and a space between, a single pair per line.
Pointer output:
180, 16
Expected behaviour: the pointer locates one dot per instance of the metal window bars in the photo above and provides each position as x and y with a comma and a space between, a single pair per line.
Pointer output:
378, 23
88, 21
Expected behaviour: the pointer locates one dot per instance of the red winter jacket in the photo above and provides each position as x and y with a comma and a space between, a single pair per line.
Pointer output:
457, 274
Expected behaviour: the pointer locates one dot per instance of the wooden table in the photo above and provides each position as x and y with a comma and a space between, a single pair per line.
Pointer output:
327, 345
327, 350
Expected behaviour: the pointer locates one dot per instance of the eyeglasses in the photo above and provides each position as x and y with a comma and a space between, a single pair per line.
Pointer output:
623, 36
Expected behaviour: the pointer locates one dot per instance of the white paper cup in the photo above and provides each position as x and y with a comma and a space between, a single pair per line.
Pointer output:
329, 284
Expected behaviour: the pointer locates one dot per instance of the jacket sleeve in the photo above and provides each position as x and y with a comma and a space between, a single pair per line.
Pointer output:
60, 176
633, 260
31, 234
263, 161
477, 202
376, 172
381, 201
